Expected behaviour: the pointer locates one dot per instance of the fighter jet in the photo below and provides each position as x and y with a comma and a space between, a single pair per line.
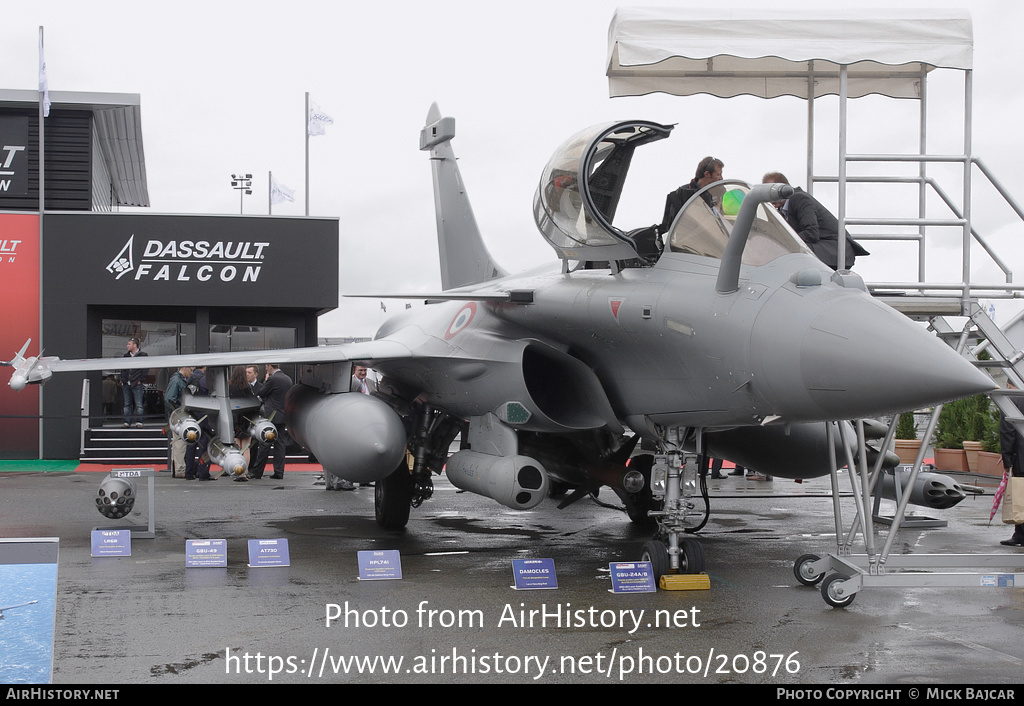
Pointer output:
722, 337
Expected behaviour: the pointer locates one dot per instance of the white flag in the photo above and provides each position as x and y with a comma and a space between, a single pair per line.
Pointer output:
279, 193
44, 87
318, 120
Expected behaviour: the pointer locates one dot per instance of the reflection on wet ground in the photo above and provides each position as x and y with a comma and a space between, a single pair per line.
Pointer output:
147, 619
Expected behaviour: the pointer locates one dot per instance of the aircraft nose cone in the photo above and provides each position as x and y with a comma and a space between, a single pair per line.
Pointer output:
856, 357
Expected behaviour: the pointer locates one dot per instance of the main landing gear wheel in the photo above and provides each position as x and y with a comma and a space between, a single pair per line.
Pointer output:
392, 498
830, 591
803, 571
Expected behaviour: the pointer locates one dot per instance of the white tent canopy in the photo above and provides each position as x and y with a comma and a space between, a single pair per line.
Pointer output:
686, 51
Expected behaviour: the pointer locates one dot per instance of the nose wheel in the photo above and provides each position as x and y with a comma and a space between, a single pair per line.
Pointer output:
691, 557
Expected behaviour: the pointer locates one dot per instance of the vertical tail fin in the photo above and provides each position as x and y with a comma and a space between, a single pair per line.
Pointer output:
464, 257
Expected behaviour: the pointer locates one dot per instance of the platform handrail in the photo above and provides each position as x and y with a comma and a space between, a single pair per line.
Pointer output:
84, 414
958, 221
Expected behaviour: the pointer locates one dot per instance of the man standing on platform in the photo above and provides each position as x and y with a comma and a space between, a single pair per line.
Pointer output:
132, 386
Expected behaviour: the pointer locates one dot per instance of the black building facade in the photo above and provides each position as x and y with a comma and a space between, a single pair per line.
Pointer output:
181, 283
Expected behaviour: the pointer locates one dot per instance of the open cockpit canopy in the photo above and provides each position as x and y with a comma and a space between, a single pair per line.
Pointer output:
579, 192
580, 187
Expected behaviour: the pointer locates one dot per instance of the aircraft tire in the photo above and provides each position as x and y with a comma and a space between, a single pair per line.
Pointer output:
691, 553
801, 569
828, 591
655, 552
392, 498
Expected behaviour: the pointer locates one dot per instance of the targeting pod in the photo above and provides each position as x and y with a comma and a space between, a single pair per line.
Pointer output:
263, 430
115, 497
228, 457
518, 482
185, 426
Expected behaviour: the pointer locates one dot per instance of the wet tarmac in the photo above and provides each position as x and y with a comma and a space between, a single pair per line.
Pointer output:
454, 617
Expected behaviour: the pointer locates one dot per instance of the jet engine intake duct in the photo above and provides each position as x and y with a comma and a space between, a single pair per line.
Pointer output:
354, 436
564, 389
518, 482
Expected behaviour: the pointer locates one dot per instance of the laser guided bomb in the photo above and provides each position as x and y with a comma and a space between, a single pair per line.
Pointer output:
115, 497
262, 430
227, 456
185, 426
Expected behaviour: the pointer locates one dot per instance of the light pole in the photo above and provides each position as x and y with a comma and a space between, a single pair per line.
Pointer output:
242, 182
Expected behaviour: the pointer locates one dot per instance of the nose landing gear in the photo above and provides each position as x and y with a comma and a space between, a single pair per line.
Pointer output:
675, 478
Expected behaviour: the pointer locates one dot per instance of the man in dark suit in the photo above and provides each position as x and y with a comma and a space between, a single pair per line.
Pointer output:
815, 225
272, 391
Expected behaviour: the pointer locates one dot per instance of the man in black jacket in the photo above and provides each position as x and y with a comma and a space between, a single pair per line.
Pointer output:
272, 391
709, 170
815, 225
132, 386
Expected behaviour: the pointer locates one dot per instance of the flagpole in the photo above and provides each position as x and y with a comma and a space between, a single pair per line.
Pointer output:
42, 195
305, 129
270, 194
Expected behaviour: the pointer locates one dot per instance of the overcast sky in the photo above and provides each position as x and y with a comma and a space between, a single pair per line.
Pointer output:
222, 88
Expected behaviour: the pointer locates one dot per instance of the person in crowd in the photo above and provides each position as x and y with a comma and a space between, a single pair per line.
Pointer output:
173, 397
132, 386
273, 391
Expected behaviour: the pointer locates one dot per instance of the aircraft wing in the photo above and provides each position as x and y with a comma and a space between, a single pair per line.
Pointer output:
34, 370
491, 296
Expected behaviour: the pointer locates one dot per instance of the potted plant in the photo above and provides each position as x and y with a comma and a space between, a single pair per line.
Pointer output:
990, 461
959, 420
907, 444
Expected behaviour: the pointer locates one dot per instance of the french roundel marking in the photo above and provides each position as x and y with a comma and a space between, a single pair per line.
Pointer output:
461, 320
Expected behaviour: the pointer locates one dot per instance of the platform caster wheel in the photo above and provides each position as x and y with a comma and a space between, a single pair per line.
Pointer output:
691, 556
655, 552
803, 571
830, 588
392, 498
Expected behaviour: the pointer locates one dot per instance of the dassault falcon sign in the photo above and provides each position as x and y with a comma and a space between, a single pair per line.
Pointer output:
190, 260
185, 260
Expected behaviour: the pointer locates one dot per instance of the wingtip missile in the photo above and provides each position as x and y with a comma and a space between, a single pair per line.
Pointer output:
32, 370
